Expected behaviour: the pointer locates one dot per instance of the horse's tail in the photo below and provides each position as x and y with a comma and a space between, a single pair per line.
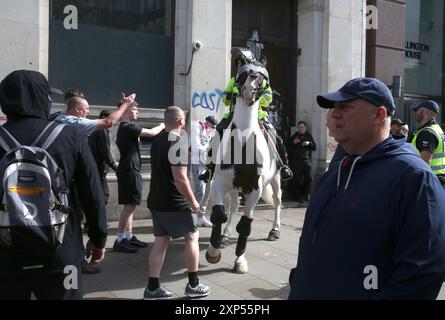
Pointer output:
268, 194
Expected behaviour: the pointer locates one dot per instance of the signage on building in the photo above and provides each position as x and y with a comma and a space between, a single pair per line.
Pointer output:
415, 50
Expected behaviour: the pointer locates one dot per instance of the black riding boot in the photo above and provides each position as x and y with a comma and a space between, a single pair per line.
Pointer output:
281, 154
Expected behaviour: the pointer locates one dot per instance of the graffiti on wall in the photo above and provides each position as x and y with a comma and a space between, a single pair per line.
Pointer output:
209, 101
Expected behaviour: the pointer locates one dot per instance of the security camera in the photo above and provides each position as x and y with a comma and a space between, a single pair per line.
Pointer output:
197, 45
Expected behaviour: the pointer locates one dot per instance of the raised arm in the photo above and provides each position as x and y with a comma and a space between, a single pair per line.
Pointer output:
114, 117
149, 133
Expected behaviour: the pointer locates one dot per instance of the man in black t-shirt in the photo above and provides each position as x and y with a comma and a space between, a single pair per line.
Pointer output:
99, 143
169, 201
129, 177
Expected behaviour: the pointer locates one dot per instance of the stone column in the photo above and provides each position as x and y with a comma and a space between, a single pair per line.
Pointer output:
19, 31
331, 35
210, 23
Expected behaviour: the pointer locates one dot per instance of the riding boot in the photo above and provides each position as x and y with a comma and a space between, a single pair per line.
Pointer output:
280, 152
283, 162
207, 174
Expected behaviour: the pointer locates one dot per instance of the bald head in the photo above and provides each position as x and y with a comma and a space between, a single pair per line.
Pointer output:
77, 106
173, 115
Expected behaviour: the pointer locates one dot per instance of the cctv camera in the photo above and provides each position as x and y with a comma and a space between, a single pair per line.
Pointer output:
197, 45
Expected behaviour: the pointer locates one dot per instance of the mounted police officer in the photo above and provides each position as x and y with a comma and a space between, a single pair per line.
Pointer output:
243, 57
428, 140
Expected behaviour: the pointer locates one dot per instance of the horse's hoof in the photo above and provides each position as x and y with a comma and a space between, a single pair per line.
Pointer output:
213, 260
274, 235
240, 268
225, 241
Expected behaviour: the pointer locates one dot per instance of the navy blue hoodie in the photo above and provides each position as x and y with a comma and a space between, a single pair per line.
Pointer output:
384, 210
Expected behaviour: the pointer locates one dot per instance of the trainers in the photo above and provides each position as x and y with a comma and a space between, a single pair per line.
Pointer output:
124, 246
159, 293
203, 222
199, 291
89, 268
137, 243
286, 173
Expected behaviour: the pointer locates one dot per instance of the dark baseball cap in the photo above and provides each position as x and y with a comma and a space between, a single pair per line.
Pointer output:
397, 121
428, 104
370, 89
212, 121
53, 90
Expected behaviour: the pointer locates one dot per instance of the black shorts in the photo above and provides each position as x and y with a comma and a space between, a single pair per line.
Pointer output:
175, 224
129, 186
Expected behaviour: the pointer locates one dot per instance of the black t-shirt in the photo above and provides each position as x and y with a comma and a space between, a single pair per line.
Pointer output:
99, 142
127, 141
164, 196
427, 140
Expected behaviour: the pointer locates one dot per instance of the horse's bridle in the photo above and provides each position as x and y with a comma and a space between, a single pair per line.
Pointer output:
248, 69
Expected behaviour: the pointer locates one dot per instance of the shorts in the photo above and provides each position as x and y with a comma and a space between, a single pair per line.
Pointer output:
175, 224
129, 186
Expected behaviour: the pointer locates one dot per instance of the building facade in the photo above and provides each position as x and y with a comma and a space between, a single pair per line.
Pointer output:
407, 48
150, 47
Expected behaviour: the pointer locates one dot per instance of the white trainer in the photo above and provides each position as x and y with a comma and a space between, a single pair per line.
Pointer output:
203, 222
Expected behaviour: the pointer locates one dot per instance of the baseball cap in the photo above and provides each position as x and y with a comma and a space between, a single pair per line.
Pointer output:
428, 104
397, 121
53, 90
370, 89
212, 121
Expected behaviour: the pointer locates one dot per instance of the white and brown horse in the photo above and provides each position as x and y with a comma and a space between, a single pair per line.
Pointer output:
244, 163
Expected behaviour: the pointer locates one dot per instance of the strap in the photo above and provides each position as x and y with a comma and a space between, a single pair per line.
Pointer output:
35, 143
7, 147
54, 128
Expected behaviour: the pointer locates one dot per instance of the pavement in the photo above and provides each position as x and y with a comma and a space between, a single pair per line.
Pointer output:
124, 276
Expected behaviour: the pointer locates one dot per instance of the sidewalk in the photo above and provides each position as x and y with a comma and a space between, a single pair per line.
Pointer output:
124, 276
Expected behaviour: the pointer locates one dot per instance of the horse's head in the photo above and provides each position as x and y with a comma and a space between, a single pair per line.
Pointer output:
249, 79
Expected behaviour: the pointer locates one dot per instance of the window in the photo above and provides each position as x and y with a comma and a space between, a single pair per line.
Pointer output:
119, 46
424, 47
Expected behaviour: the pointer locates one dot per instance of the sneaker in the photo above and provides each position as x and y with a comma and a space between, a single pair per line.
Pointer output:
159, 293
137, 243
199, 291
89, 268
124, 246
286, 173
203, 222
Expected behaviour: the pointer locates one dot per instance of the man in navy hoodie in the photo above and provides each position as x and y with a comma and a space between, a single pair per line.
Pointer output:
375, 228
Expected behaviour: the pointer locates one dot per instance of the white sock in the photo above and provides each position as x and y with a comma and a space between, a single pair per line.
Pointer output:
120, 236
128, 235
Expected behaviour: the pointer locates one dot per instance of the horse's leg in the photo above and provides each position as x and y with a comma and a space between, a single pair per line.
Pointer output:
233, 210
244, 227
218, 217
274, 234
210, 200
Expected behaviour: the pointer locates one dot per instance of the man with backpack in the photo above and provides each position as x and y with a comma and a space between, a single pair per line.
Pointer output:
41, 245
